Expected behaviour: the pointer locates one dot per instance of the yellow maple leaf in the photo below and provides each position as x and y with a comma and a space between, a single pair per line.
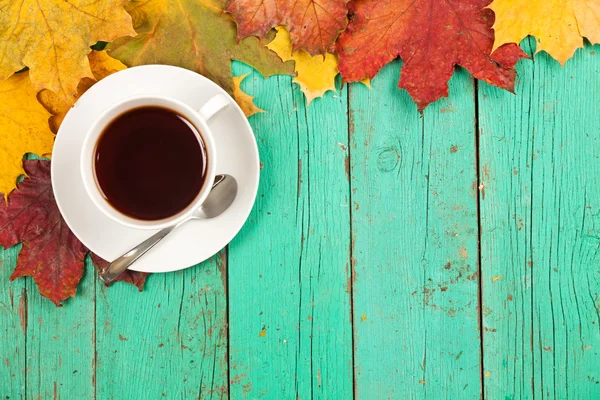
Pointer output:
558, 25
23, 128
101, 65
244, 100
315, 74
53, 38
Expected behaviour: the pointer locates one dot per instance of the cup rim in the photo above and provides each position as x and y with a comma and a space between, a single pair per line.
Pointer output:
89, 148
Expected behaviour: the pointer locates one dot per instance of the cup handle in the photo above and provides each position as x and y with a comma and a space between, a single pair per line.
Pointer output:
213, 106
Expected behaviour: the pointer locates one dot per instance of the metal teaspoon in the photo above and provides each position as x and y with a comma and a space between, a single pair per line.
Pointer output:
219, 199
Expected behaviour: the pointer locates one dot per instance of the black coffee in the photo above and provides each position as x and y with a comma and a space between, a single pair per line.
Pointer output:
149, 163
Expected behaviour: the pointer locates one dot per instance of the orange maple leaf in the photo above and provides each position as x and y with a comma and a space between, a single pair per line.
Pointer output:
313, 25
431, 36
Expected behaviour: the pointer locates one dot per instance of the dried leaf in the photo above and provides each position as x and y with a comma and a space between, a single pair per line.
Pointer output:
313, 25
558, 25
244, 100
101, 64
195, 35
431, 38
134, 278
23, 129
53, 39
315, 74
51, 254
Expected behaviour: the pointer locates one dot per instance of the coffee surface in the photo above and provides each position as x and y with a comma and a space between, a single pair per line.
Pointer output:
149, 164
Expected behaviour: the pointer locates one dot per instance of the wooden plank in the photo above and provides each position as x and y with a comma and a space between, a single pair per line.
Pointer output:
169, 340
540, 158
55, 357
60, 350
414, 229
290, 328
13, 328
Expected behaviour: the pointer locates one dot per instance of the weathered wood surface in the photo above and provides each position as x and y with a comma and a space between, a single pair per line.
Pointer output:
289, 270
540, 243
380, 241
414, 229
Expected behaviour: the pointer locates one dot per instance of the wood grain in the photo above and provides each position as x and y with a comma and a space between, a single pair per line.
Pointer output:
168, 341
60, 343
356, 275
414, 229
540, 159
290, 327
13, 327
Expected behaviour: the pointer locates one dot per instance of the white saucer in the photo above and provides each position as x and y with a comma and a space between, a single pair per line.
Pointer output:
191, 243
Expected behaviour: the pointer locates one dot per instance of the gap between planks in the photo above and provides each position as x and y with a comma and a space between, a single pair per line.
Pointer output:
479, 266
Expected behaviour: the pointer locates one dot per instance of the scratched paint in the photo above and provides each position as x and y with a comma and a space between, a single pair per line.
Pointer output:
541, 230
12, 336
172, 337
385, 222
288, 267
415, 236
60, 348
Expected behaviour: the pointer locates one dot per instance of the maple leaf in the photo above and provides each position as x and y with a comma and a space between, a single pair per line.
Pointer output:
134, 278
431, 37
313, 24
315, 74
558, 25
51, 254
195, 35
244, 100
23, 128
53, 38
101, 65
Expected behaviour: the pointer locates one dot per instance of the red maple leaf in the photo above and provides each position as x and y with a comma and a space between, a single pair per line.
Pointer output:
133, 277
431, 37
313, 24
51, 254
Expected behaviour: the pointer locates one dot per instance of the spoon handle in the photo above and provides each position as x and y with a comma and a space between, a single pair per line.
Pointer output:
122, 263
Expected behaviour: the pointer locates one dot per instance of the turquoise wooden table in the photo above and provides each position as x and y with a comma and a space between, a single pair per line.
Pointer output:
448, 255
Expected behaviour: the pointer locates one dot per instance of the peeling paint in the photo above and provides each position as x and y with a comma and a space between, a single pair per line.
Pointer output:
23, 311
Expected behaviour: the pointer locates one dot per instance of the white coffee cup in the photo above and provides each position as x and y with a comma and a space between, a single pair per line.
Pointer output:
198, 118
